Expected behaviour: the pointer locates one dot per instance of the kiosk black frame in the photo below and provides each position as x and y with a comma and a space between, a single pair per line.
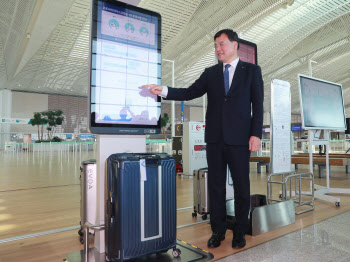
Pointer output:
116, 126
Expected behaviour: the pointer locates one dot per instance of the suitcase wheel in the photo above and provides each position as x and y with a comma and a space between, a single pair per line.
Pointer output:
194, 214
204, 217
176, 252
81, 232
81, 239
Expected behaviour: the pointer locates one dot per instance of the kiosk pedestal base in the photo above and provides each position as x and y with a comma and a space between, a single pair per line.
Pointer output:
321, 194
188, 253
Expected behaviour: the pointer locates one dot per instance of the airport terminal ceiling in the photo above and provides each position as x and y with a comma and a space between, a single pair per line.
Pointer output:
44, 43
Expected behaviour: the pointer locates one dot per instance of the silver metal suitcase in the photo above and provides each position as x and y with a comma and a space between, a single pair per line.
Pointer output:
88, 191
229, 186
200, 193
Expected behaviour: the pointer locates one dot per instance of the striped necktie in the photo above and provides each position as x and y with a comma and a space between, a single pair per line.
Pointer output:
226, 78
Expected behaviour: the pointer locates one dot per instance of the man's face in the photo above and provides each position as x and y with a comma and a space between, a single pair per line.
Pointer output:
225, 50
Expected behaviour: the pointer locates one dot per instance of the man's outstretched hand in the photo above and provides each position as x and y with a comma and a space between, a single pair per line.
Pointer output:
154, 89
254, 143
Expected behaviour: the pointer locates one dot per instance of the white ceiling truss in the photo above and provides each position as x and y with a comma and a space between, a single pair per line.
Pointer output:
44, 44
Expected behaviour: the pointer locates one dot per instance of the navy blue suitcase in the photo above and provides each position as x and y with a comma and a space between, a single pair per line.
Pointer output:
140, 208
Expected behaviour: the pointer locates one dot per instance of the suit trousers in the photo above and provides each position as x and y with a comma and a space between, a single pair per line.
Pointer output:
219, 155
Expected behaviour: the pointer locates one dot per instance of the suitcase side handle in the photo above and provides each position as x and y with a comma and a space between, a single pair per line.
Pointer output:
147, 156
151, 160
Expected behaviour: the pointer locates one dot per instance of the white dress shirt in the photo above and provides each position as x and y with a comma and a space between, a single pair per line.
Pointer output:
231, 72
164, 92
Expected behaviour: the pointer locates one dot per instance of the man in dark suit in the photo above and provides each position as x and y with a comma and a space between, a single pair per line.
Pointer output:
234, 121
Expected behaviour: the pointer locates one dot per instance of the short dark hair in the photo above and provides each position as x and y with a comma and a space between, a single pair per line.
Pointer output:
232, 35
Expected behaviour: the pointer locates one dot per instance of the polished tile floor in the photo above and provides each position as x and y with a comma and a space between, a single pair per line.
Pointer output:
40, 191
326, 241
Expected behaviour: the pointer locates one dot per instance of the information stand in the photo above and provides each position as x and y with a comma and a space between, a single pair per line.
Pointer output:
125, 53
322, 111
280, 127
280, 150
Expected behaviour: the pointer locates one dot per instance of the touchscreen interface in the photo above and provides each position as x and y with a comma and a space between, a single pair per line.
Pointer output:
125, 54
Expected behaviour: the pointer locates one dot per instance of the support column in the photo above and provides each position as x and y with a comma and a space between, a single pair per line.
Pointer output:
182, 112
204, 107
5, 112
172, 119
172, 102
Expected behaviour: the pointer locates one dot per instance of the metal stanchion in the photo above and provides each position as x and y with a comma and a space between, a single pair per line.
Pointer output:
88, 226
288, 178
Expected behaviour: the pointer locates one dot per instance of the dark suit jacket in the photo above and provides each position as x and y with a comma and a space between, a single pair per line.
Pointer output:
235, 116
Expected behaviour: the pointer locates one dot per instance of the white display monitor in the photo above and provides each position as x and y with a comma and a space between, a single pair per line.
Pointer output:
125, 54
322, 104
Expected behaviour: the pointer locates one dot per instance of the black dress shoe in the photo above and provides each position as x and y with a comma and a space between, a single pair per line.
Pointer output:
238, 240
215, 239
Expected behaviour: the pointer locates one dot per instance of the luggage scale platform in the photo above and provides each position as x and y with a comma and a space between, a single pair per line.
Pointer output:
188, 253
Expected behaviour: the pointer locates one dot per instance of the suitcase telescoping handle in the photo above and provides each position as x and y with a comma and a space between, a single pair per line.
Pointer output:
204, 168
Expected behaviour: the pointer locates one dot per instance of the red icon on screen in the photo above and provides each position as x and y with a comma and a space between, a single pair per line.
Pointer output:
200, 147
198, 127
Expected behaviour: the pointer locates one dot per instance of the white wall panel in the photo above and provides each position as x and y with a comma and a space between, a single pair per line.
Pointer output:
25, 104
196, 114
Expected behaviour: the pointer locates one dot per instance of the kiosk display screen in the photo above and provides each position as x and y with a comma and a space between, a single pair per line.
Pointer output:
247, 52
322, 104
125, 54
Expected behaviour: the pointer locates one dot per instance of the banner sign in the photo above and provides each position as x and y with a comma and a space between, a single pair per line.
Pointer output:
21, 121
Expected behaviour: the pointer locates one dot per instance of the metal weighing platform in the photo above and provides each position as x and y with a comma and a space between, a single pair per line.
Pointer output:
188, 253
